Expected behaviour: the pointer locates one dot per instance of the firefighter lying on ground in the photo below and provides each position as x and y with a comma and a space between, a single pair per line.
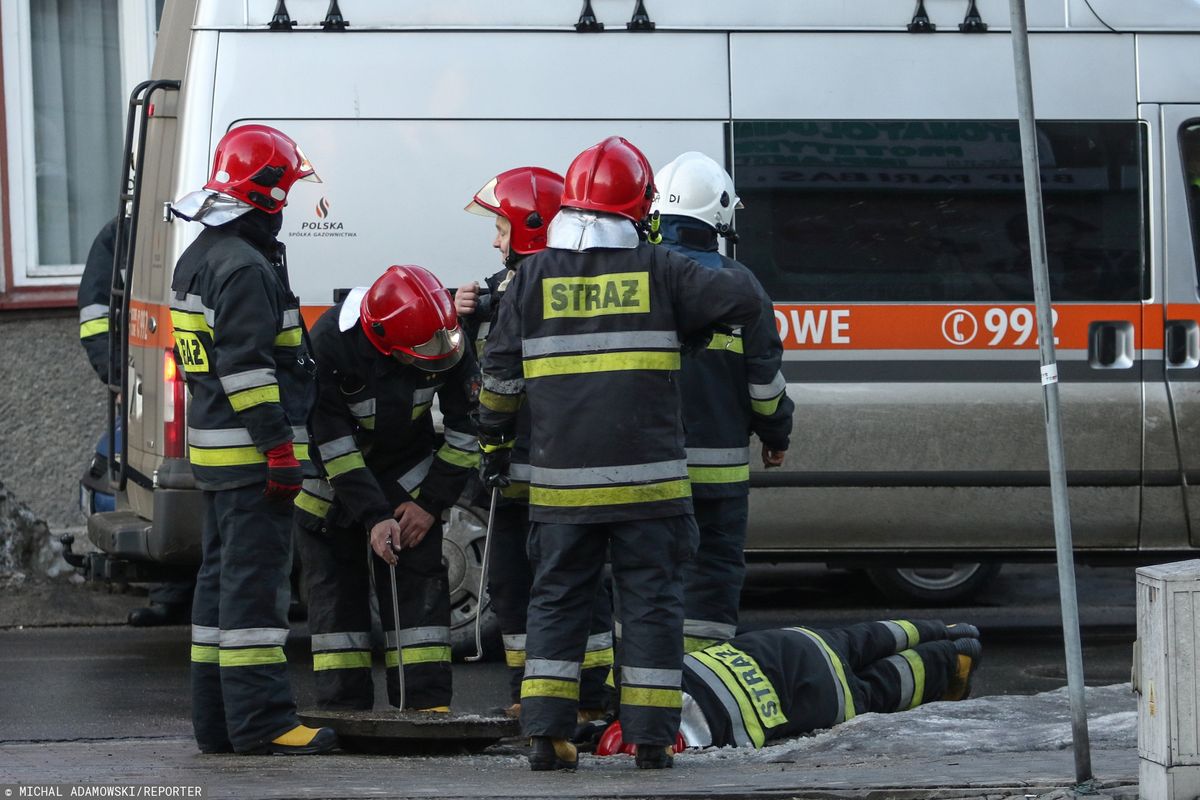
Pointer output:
523, 202
773, 684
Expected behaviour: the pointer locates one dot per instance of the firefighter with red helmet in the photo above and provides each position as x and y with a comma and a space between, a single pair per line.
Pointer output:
523, 202
239, 338
589, 335
384, 354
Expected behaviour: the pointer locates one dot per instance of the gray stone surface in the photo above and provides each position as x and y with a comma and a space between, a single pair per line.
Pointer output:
51, 412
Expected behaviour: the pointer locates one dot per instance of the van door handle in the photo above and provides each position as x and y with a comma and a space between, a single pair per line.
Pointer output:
1110, 345
1183, 343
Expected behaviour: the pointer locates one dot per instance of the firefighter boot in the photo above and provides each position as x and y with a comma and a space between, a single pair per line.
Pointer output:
548, 754
303, 741
654, 756
970, 653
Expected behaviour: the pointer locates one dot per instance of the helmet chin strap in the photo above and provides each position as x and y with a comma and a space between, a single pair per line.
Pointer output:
728, 232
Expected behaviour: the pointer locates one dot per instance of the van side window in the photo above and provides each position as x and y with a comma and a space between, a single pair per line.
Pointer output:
856, 210
1189, 148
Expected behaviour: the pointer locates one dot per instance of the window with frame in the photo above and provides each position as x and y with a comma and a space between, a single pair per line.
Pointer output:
877, 211
1189, 150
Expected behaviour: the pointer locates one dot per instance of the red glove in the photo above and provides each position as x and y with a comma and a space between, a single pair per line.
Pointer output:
284, 474
611, 742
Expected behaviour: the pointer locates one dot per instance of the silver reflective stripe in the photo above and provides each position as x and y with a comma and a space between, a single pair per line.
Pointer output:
337, 447
600, 641
907, 684
432, 634
518, 472
93, 311
514, 641
588, 342
291, 318
364, 409
617, 629
765, 391
341, 641
648, 676
412, 479
692, 723
261, 637
484, 330
544, 667
203, 635
718, 456
463, 441
249, 379
737, 725
194, 305
319, 488
899, 634
623, 474
838, 688
497, 386
706, 629
426, 395
300, 434
219, 437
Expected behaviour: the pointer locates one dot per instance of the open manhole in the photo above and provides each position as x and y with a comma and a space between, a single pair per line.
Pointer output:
1098, 675
412, 732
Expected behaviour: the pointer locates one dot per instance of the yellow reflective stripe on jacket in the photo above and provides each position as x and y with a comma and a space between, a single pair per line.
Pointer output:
190, 321
755, 685
420, 409
766, 407
248, 398
93, 327
459, 458
836, 661
598, 658
610, 495
235, 456
738, 474
343, 464
726, 341
910, 630
693, 643
549, 687
205, 654
419, 655
918, 671
504, 403
749, 716
352, 659
289, 338
601, 362
367, 422
312, 504
252, 656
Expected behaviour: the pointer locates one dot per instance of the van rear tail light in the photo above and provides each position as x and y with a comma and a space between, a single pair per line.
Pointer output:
174, 410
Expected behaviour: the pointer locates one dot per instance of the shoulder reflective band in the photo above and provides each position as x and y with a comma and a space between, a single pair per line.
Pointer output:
190, 321
289, 338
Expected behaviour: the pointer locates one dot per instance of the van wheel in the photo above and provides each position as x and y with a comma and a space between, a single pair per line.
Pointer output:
463, 532
939, 586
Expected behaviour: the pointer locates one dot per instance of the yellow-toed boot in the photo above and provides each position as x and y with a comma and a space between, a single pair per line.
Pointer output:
302, 741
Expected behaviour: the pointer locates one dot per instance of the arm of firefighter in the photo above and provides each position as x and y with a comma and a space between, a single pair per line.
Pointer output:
772, 409
706, 297
459, 454
95, 286
244, 329
503, 388
333, 426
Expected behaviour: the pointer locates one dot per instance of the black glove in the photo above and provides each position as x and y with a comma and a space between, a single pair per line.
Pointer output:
587, 734
493, 467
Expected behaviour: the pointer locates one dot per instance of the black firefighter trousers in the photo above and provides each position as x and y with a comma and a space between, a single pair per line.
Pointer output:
568, 561
241, 696
338, 566
712, 581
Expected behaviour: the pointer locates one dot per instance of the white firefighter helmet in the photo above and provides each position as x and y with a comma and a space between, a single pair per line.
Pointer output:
693, 185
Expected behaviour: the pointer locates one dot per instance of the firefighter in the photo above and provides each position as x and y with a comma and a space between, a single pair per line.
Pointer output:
774, 684
523, 201
384, 354
730, 389
589, 333
239, 339
170, 603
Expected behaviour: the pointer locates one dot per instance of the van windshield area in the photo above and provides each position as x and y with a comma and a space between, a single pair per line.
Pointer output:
1189, 149
879, 211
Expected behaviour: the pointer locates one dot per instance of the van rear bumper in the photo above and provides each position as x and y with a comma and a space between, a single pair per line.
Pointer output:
171, 538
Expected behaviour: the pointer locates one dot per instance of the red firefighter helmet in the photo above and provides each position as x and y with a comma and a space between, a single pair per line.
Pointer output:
528, 197
407, 311
612, 176
258, 165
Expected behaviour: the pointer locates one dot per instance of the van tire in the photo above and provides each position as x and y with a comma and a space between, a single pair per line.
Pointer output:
463, 530
936, 586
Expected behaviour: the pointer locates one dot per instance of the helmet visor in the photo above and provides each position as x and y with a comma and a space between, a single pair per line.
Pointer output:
485, 203
438, 354
305, 171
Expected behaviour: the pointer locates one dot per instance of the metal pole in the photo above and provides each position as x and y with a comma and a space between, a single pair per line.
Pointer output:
396, 631
1054, 446
483, 573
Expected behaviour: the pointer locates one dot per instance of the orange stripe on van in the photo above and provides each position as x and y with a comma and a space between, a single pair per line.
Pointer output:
150, 323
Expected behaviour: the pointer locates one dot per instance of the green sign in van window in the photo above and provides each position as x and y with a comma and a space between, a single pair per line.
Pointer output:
934, 210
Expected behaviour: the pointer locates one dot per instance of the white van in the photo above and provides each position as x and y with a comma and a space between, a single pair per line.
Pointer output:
880, 171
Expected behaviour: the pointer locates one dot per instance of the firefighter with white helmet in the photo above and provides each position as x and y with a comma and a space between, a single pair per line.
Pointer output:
588, 334
523, 202
239, 338
730, 389
384, 354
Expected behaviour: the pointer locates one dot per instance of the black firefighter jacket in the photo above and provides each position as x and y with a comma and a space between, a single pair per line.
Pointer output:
592, 340
95, 287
